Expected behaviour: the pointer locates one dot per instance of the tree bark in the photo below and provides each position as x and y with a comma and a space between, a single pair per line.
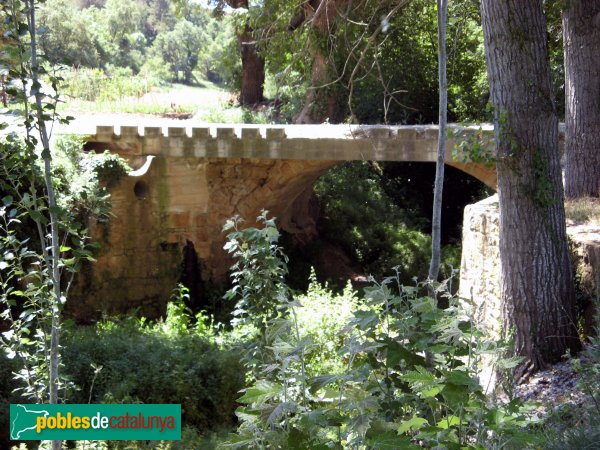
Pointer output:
436, 221
581, 29
322, 102
253, 70
253, 65
537, 282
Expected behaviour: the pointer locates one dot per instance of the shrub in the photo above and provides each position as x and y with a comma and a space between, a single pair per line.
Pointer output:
316, 321
129, 360
377, 230
96, 85
9, 393
400, 372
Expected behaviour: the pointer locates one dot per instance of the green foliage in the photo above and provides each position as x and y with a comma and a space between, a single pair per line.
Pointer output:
179, 48
391, 73
166, 362
473, 145
218, 59
259, 271
82, 178
322, 328
141, 36
379, 219
577, 438
97, 85
409, 379
24, 279
575, 425
68, 34
290, 95
8, 395
120, 33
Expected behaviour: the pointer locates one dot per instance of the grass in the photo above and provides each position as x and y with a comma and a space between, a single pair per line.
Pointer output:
207, 103
583, 211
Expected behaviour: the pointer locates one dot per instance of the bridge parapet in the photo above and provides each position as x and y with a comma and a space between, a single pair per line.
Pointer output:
295, 142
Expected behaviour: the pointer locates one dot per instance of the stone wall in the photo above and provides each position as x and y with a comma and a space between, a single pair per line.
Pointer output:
179, 203
480, 263
585, 241
480, 266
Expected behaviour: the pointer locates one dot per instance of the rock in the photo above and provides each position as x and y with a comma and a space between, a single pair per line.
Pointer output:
480, 271
480, 264
585, 241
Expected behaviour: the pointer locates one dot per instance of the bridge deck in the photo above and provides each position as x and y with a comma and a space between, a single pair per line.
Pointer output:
299, 142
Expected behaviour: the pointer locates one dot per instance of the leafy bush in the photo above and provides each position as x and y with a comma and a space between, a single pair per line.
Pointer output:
315, 321
9, 393
404, 372
168, 362
377, 223
82, 178
97, 85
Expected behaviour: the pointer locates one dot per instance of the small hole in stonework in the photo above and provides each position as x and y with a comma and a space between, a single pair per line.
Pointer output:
141, 190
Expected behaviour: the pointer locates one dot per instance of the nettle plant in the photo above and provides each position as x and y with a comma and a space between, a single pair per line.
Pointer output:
409, 378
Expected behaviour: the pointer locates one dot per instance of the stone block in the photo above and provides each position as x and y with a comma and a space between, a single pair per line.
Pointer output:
129, 133
179, 220
275, 134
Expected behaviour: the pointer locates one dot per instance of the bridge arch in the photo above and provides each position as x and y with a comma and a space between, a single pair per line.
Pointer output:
190, 181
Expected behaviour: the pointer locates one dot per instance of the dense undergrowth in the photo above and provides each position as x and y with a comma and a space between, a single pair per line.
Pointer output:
393, 369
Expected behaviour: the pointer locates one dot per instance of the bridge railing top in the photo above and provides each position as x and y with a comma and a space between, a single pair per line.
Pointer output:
174, 129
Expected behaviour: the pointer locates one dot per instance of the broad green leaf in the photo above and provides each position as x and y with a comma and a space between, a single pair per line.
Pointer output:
412, 424
364, 320
432, 391
38, 216
449, 421
509, 363
455, 394
279, 412
396, 352
321, 381
360, 424
420, 376
391, 441
261, 392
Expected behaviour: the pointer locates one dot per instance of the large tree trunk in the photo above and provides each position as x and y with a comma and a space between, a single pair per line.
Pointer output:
253, 70
322, 102
537, 282
253, 65
581, 27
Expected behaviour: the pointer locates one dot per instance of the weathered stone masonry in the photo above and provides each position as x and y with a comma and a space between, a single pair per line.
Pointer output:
201, 177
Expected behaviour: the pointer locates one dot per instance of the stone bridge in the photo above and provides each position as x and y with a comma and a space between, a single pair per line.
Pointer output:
187, 181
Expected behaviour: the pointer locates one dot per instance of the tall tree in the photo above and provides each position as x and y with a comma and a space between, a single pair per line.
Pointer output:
20, 20
322, 101
581, 30
436, 221
537, 282
253, 64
